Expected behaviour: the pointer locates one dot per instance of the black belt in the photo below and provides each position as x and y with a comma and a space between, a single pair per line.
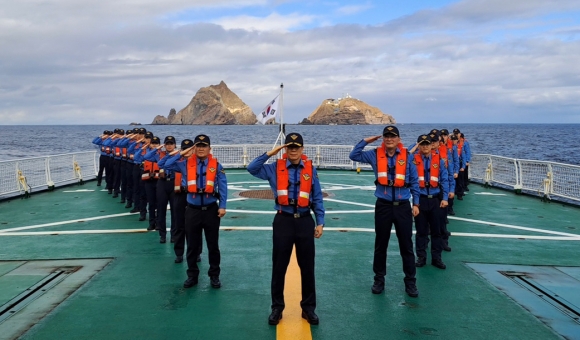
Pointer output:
296, 215
429, 196
382, 200
202, 207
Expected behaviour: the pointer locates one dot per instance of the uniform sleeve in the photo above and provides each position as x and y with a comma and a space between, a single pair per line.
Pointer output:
222, 183
172, 163
467, 149
444, 179
152, 155
258, 167
358, 155
456, 164
413, 181
317, 199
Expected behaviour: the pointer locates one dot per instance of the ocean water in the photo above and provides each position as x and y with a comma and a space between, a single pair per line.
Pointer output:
548, 142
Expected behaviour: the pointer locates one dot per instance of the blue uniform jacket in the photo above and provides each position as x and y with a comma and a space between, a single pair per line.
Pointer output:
107, 143
174, 163
153, 156
443, 178
258, 168
98, 141
400, 194
467, 149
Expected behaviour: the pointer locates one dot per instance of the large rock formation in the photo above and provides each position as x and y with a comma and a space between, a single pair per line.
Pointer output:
347, 111
212, 105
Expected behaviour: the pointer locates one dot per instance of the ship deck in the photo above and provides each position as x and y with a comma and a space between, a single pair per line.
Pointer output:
132, 289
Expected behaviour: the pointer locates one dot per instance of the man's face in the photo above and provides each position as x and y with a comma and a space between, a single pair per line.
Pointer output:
202, 150
425, 148
445, 137
169, 147
294, 152
391, 141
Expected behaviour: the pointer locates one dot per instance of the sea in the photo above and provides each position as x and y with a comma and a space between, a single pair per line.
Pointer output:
546, 142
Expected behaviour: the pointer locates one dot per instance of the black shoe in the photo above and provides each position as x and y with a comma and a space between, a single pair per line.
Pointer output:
378, 287
134, 210
446, 248
129, 205
179, 259
150, 227
198, 258
142, 218
215, 281
115, 195
438, 263
99, 184
190, 282
460, 198
446, 220
110, 191
411, 290
421, 262
275, 316
122, 200
162, 240
310, 316
451, 212
466, 189
172, 240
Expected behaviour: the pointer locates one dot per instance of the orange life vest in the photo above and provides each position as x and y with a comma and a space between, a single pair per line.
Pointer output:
150, 169
459, 147
443, 154
383, 167
108, 149
210, 176
117, 151
283, 182
433, 170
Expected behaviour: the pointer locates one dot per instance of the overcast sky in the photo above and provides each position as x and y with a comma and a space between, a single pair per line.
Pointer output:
424, 61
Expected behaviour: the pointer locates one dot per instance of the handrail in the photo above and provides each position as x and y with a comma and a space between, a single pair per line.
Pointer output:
542, 178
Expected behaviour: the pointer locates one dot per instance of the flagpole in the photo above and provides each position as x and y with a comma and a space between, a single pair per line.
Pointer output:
282, 128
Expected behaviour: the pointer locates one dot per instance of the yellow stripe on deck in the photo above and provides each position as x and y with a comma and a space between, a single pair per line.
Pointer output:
293, 326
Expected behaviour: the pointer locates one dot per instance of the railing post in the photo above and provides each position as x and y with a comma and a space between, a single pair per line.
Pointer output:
519, 185
318, 156
49, 182
245, 156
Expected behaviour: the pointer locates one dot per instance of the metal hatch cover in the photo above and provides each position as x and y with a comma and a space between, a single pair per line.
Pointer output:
29, 290
552, 294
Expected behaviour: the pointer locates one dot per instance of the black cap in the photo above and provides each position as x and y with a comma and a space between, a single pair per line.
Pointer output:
149, 134
155, 140
128, 132
444, 131
454, 137
169, 139
121, 132
391, 130
434, 137
424, 139
456, 131
461, 135
294, 139
201, 139
106, 132
142, 131
186, 144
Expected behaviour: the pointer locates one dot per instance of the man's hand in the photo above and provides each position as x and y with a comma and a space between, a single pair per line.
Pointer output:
221, 212
443, 204
461, 169
455, 175
451, 194
372, 139
415, 210
318, 231
160, 146
467, 163
276, 150
187, 152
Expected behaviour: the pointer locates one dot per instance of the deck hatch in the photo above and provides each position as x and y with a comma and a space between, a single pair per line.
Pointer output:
32, 293
551, 294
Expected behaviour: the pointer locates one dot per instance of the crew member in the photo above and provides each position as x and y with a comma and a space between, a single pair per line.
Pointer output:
149, 177
441, 150
467, 153
295, 184
103, 158
139, 202
206, 185
396, 180
433, 185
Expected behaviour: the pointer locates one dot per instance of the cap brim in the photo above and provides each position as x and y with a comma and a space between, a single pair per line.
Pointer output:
425, 142
391, 134
198, 143
293, 143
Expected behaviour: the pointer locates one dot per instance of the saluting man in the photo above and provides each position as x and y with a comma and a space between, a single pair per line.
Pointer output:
396, 180
295, 184
433, 185
206, 185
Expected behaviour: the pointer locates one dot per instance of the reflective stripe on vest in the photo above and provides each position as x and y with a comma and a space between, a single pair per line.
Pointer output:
283, 182
150, 169
433, 170
212, 166
383, 167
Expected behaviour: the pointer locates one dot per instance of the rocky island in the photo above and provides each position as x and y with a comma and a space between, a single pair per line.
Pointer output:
212, 105
347, 111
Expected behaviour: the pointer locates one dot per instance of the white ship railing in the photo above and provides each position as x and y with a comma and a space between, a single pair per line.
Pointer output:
546, 179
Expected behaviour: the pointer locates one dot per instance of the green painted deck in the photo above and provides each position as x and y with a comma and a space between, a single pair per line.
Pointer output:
139, 294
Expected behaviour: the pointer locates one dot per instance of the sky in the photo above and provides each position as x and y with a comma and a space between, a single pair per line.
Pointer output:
436, 61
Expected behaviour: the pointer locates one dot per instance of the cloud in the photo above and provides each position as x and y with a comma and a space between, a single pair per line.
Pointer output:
353, 9
71, 65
